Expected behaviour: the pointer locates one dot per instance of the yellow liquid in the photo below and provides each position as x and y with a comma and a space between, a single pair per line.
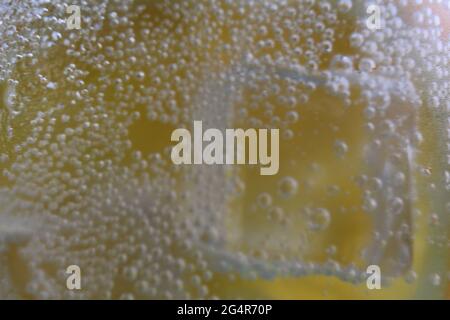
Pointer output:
106, 197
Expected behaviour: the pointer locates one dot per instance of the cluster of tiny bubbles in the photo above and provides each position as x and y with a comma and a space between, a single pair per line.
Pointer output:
80, 184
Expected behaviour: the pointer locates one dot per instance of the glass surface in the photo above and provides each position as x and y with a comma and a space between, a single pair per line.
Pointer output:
86, 116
